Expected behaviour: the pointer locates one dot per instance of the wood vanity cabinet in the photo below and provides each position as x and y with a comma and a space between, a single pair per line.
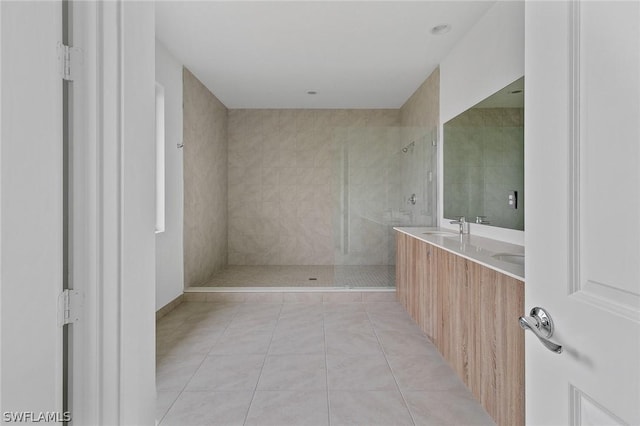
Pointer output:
416, 282
470, 312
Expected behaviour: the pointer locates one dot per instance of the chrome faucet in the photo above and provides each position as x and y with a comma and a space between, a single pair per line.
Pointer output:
482, 220
464, 225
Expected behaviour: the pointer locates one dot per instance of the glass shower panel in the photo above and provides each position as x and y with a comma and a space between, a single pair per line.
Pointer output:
375, 179
417, 162
415, 203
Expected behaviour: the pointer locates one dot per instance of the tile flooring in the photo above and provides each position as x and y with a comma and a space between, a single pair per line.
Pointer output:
350, 276
283, 364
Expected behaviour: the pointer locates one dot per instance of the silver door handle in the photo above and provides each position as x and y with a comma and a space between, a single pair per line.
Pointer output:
541, 325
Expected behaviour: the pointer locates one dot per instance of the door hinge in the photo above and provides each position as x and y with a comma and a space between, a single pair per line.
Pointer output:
69, 307
71, 61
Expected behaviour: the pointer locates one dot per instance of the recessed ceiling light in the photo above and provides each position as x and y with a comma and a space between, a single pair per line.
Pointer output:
441, 29
311, 92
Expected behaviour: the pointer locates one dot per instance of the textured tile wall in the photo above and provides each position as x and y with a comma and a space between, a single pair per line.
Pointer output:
422, 109
419, 118
282, 189
205, 182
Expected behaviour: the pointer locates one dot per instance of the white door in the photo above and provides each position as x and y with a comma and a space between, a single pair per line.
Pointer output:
582, 138
31, 215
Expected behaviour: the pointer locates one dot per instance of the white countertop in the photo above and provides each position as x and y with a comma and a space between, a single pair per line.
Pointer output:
472, 247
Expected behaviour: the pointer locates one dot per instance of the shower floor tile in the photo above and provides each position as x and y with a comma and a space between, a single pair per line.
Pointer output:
349, 276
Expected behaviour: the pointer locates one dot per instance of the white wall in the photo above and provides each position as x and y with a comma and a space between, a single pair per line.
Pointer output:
488, 58
169, 244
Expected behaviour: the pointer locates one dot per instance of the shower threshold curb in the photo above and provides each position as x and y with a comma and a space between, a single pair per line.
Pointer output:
288, 289
325, 295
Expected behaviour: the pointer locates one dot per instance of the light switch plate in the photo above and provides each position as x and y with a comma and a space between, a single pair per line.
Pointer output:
512, 199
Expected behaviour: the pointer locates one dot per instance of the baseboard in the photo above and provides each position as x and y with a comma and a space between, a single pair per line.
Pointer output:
169, 307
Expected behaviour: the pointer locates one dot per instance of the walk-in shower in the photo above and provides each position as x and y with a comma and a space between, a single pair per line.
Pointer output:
326, 219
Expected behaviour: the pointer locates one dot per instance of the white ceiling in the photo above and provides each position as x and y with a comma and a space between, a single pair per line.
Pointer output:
268, 54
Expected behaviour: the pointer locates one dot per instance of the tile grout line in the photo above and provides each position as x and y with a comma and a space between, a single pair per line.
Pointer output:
264, 361
384, 353
195, 371
326, 364
180, 391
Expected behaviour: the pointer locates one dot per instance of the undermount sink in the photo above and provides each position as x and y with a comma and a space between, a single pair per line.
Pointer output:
517, 259
440, 233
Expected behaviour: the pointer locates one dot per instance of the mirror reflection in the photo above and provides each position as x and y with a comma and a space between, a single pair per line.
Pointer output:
483, 174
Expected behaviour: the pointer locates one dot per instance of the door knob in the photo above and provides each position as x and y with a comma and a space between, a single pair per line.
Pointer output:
539, 322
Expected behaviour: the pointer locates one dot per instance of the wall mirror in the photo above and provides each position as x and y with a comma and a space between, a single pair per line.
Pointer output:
484, 161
